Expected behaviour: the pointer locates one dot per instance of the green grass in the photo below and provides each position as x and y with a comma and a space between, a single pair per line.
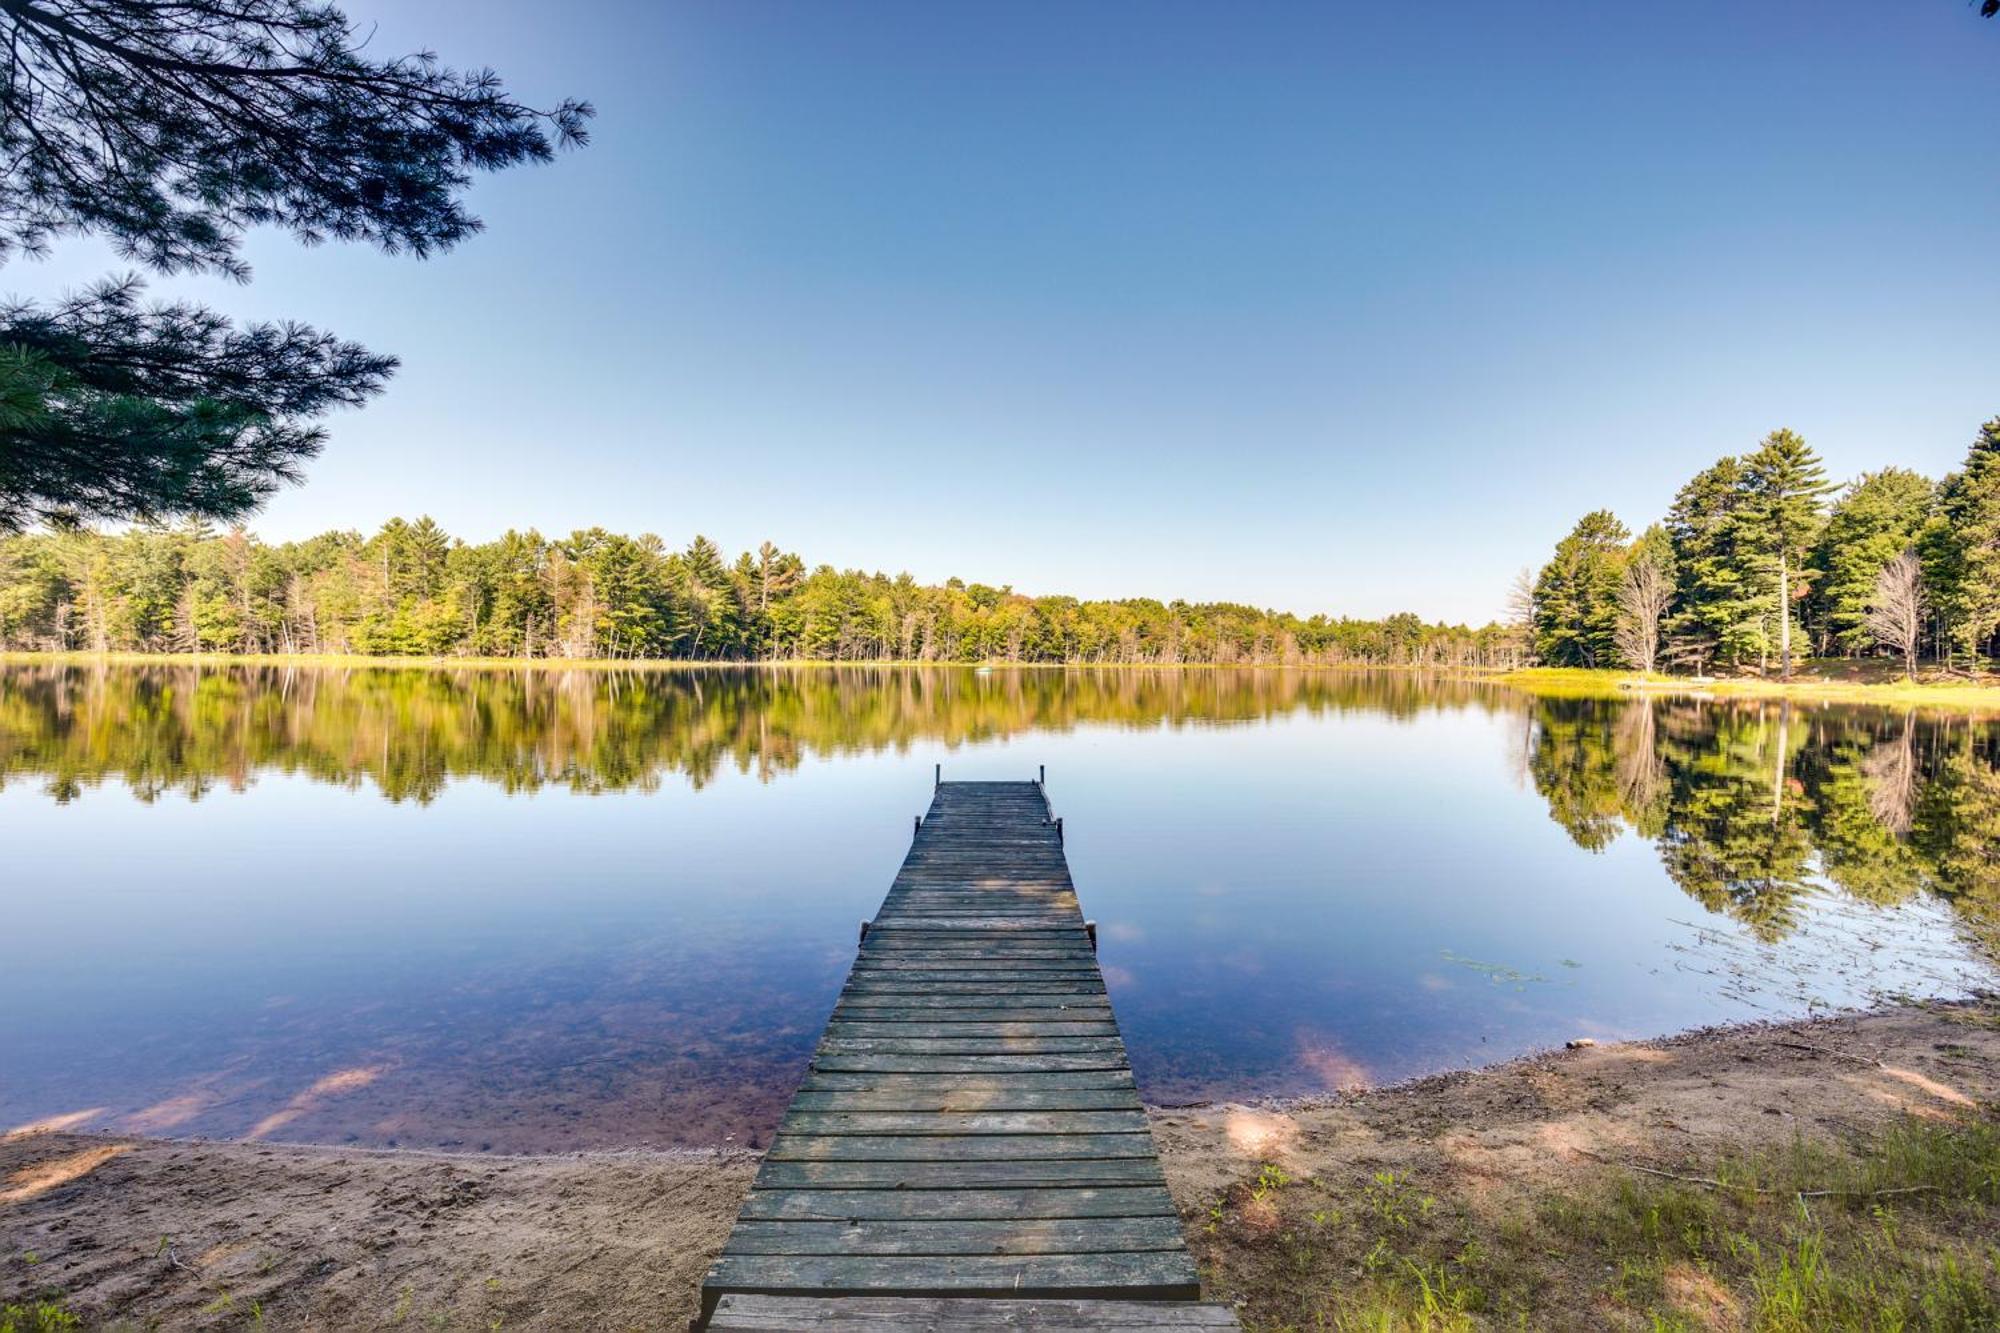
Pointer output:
1810, 683
40, 1317
1898, 1235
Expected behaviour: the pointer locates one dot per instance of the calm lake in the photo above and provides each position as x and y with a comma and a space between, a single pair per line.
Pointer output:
533, 911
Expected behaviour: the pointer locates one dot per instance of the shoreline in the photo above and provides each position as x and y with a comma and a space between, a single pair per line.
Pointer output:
1955, 694
218, 1233
1861, 682
84, 657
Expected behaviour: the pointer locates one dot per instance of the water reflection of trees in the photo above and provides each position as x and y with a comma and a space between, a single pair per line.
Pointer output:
408, 732
1750, 805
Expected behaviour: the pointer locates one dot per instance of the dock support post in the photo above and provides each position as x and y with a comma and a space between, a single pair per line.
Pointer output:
1041, 775
937, 777
919, 828
864, 933
1089, 928
1059, 836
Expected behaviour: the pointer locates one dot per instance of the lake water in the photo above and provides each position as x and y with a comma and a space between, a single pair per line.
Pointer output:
536, 911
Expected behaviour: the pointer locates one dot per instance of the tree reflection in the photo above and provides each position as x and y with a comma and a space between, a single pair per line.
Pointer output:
1753, 806
409, 732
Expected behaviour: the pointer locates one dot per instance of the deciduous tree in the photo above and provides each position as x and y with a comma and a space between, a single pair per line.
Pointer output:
1645, 591
1895, 613
1878, 518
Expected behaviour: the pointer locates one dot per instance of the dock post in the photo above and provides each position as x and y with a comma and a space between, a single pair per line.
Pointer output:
937, 777
1059, 836
919, 828
1089, 928
1041, 775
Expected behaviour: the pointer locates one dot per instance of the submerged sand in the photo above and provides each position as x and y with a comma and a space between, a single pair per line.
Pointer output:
183, 1234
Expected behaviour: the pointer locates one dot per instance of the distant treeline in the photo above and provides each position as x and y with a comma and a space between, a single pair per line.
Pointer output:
411, 589
1760, 555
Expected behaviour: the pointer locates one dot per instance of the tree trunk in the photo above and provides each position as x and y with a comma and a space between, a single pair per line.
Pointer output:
1778, 760
1784, 616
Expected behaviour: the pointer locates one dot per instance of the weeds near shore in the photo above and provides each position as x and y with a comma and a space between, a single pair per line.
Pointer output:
1899, 1232
40, 1317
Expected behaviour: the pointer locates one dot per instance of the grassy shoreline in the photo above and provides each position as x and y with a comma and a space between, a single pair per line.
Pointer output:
1808, 684
1794, 1177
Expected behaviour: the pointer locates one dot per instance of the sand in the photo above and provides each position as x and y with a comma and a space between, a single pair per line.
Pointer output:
177, 1234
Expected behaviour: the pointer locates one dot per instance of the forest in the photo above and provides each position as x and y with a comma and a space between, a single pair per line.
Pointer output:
1761, 559
412, 590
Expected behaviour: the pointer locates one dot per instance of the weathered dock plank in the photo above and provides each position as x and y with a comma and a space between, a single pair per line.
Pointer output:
969, 1142
903, 1314
1144, 1275
1115, 1171
840, 1205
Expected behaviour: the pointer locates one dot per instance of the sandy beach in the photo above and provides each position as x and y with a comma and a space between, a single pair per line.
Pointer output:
148, 1232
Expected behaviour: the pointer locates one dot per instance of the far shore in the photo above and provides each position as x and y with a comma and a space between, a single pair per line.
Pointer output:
1531, 1191
1873, 681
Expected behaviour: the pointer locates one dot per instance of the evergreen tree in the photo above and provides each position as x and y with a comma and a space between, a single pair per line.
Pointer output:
109, 409
522, 618
1576, 595
715, 620
634, 612
1786, 489
1961, 547
171, 130
1719, 590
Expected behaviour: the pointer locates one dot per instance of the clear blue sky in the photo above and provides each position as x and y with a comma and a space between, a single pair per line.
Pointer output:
1345, 308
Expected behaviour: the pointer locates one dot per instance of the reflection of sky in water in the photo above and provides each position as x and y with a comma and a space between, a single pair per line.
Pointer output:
1285, 905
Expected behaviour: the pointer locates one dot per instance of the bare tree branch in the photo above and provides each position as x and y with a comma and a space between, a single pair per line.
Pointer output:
1895, 613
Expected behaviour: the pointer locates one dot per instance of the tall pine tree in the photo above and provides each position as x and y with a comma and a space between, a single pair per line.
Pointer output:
1961, 547
171, 130
1718, 589
1786, 490
1576, 595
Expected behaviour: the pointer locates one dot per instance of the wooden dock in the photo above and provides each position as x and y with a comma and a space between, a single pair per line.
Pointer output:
968, 1149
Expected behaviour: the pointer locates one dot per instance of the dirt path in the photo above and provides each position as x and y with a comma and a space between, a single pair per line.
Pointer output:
175, 1234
